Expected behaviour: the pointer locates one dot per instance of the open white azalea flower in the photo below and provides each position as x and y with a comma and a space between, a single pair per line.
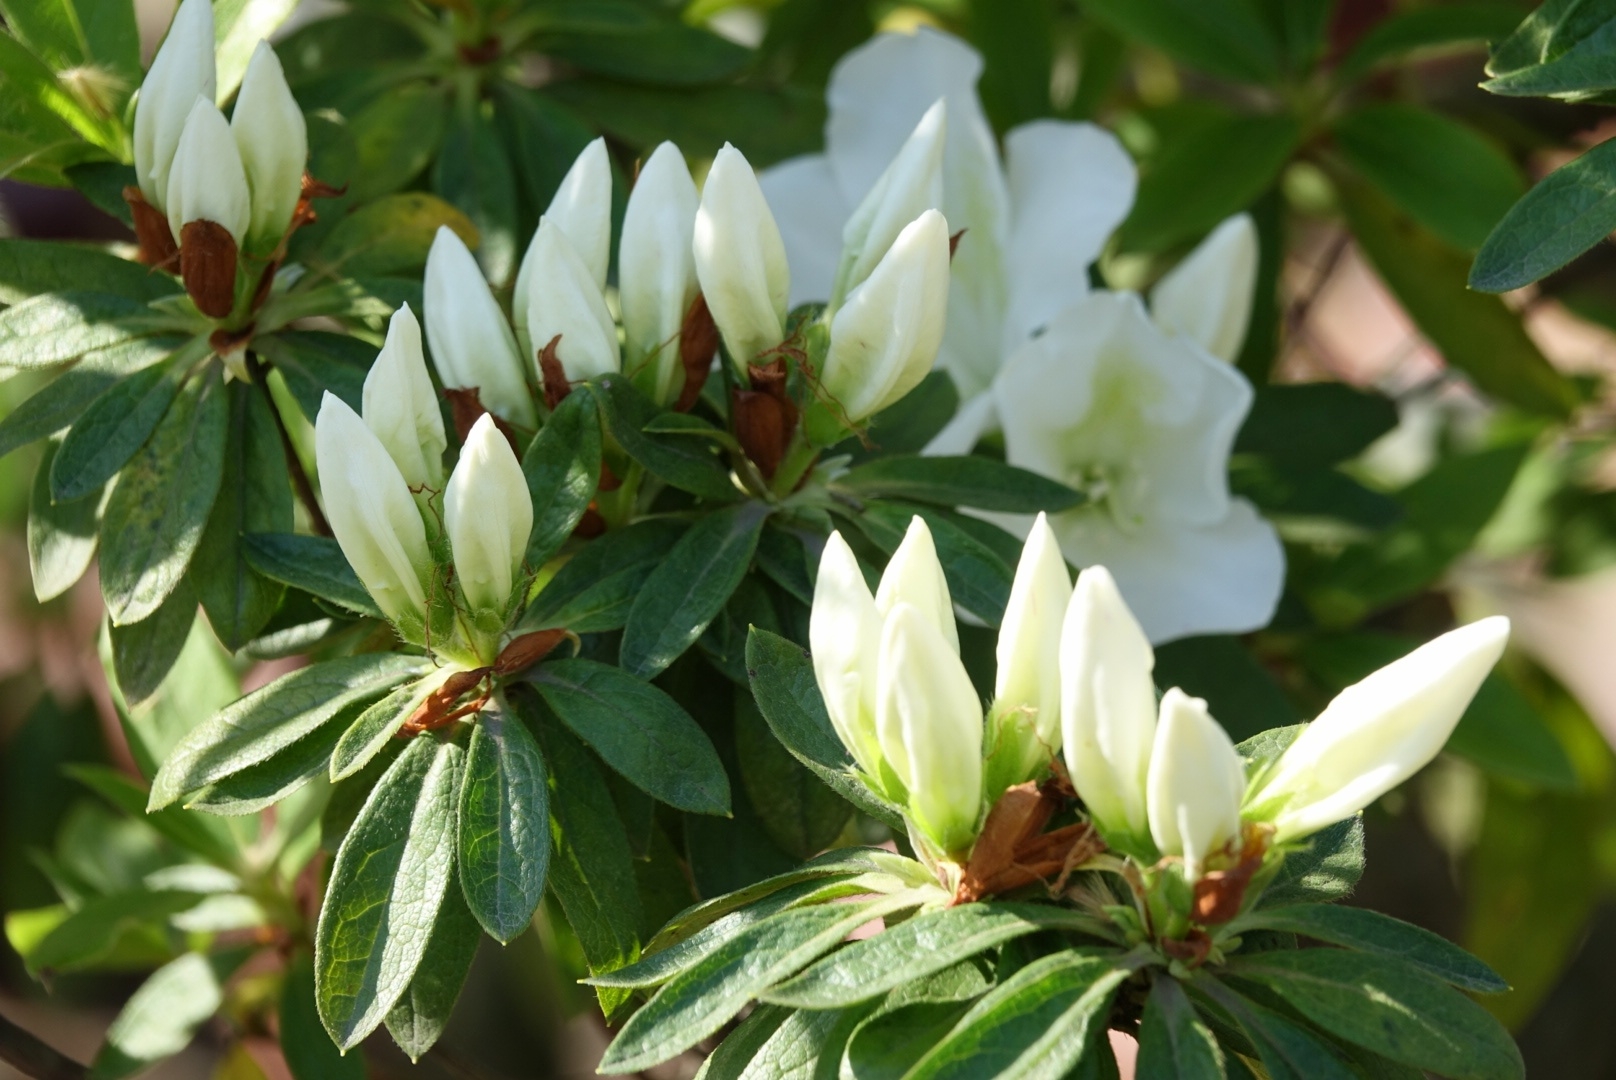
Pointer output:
1137, 408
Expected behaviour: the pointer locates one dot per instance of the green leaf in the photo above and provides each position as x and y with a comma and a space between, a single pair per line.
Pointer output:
274, 717
423, 1011
1568, 212
913, 950
782, 555
1221, 37
959, 481
1563, 49
562, 467
1442, 26
1325, 870
1370, 931
800, 813
379, 723
31, 267
57, 327
155, 515
192, 832
730, 1060
1288, 1051
475, 175
102, 182
661, 52
1173, 1042
638, 730
1037, 1023
143, 652
890, 1043
1314, 425
314, 564
161, 1017
703, 998
310, 1054
544, 138
255, 496
1243, 694
1390, 1009
61, 535
387, 884
1475, 333
94, 929
1016, 39
690, 588
1207, 172
978, 579
685, 463
239, 25
504, 825
395, 136
782, 678
591, 868
596, 588
113, 429
314, 361
392, 234
908, 424
268, 782
1445, 175
57, 404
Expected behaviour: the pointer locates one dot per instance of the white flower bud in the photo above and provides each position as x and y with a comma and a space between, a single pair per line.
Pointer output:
488, 514
582, 207
274, 145
472, 344
911, 185
740, 259
207, 181
181, 72
401, 408
1379, 732
844, 635
1207, 297
915, 576
656, 271
563, 299
1027, 684
1195, 783
1108, 705
371, 513
925, 699
884, 339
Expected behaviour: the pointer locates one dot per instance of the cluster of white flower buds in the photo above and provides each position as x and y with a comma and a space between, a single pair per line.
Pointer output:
1158, 779
691, 270
209, 189
443, 561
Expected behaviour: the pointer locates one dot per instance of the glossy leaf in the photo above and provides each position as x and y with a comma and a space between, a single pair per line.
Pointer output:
1173, 1042
392, 234
801, 814
562, 467
310, 1054
1441, 26
1370, 931
369, 734
314, 564
474, 173
56, 327
504, 825
112, 429
420, 1016
959, 481
596, 588
31, 267
143, 652
59, 403
684, 463
978, 579
1570, 211
61, 535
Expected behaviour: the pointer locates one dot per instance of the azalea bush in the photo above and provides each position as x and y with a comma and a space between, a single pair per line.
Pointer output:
812, 524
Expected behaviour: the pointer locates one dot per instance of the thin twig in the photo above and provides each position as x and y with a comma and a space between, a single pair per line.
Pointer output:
31, 1057
294, 464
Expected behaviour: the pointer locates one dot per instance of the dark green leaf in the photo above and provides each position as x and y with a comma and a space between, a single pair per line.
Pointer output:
1208, 172
161, 1017
1242, 693
562, 467
61, 535
782, 677
314, 361
310, 1054
314, 564
391, 235
691, 587
1173, 1042
596, 588
1570, 211
706, 996
395, 136
31, 267
1039, 1022
504, 825
255, 496
741, 1046
1326, 869
56, 327
272, 718
800, 813
474, 173
379, 723
959, 481
1288, 1051
908, 424
1389, 1008
888, 1044
913, 950
266, 783
387, 885
64, 399
543, 136
1314, 425
1563, 49
663, 52
978, 579
782, 555
1475, 333
1443, 174
143, 652
1016, 39
1443, 25
423, 1011
639, 731
1370, 931
1222, 37
730, 853
684, 463
113, 428
155, 515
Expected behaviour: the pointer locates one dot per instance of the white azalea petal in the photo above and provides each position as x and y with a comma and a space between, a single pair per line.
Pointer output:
1207, 297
